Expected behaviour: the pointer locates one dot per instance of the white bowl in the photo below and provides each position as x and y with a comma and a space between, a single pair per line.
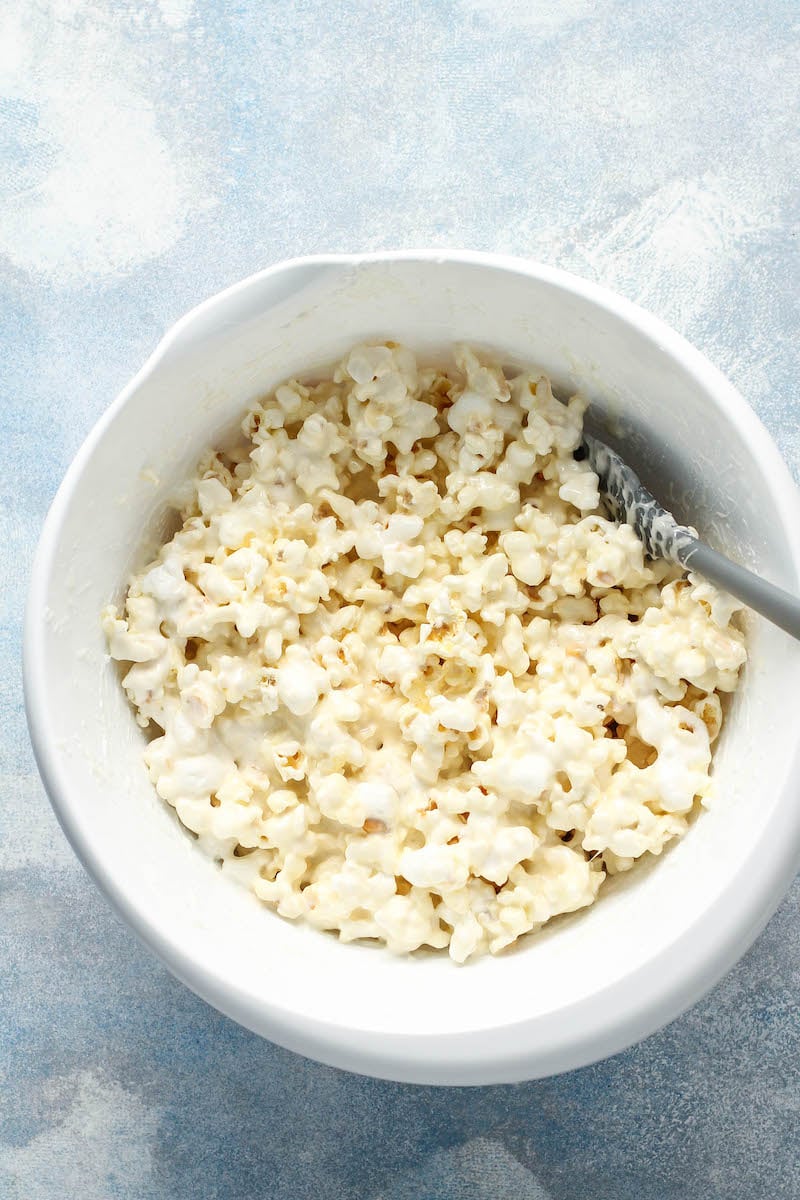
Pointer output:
588, 985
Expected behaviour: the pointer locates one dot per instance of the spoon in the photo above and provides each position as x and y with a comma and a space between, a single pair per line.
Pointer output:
662, 536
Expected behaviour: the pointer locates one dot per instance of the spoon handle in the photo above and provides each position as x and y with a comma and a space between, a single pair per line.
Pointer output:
662, 536
772, 602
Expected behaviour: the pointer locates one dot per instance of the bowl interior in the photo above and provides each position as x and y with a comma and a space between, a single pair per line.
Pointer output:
671, 414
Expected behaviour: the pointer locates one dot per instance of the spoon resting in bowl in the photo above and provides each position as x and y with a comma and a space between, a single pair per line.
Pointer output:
629, 500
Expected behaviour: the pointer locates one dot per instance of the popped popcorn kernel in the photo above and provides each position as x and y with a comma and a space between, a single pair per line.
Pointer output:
411, 683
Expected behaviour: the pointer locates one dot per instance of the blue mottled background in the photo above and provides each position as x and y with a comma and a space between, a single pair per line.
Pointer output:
153, 151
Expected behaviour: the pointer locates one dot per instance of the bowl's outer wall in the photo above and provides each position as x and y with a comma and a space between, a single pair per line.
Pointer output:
585, 987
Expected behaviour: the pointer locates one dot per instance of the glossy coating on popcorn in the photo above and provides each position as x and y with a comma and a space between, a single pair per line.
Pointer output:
407, 681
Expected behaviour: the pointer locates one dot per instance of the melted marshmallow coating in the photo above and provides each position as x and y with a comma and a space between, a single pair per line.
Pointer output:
408, 682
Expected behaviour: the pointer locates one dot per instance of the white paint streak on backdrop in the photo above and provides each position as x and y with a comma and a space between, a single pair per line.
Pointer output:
480, 1169
102, 189
677, 251
539, 16
175, 13
674, 251
100, 1147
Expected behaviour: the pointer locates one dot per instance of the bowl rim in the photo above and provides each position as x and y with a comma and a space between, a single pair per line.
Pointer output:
601, 1024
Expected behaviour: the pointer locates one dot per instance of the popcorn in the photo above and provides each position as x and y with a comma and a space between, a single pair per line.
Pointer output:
409, 682
300, 681
524, 559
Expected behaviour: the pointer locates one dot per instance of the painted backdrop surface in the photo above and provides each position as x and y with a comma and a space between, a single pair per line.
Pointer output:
153, 151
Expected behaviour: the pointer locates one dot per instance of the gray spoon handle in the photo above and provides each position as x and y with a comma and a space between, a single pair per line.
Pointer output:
662, 536
772, 602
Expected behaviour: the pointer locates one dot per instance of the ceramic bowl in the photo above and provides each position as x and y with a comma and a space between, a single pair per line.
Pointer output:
587, 985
